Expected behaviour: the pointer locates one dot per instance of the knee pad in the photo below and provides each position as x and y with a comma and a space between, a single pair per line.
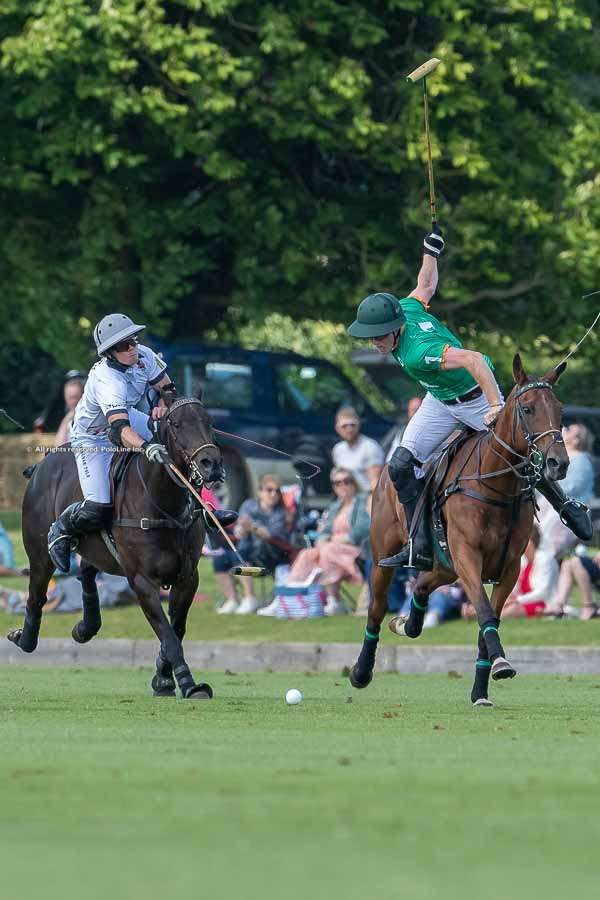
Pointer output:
401, 465
92, 516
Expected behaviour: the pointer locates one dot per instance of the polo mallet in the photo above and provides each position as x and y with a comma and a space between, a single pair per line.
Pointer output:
243, 568
421, 74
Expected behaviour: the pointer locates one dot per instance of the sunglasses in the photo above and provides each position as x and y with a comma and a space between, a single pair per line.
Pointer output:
337, 481
271, 490
122, 346
349, 425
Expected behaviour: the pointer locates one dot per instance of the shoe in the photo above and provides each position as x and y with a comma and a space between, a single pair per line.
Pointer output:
334, 607
230, 606
248, 605
224, 517
270, 610
423, 562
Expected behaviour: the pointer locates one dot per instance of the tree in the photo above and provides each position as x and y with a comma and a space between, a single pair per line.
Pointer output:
209, 160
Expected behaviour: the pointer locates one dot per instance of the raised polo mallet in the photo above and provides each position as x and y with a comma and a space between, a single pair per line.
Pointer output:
421, 74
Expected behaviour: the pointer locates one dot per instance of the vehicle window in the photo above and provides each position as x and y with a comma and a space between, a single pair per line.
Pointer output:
315, 390
219, 384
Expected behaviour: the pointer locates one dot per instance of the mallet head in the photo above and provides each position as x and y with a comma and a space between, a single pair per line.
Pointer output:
422, 71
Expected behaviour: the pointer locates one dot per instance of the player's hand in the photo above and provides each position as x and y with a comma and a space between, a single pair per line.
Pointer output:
434, 243
492, 414
156, 453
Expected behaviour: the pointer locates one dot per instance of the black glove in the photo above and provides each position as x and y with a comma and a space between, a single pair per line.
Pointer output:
155, 452
433, 243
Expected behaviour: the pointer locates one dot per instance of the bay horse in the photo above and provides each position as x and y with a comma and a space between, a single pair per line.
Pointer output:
487, 499
158, 536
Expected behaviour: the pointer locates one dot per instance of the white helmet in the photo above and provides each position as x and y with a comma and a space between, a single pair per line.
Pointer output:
112, 329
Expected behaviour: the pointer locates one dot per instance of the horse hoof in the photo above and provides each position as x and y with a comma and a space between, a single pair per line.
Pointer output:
78, 636
396, 625
199, 692
356, 682
501, 668
483, 702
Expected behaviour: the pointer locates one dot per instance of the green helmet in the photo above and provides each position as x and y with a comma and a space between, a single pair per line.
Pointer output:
377, 314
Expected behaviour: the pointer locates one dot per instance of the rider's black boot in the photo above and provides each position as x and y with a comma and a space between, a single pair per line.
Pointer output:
77, 519
418, 553
225, 517
574, 514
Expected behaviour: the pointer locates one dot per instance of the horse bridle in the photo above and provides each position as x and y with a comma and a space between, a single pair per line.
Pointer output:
194, 472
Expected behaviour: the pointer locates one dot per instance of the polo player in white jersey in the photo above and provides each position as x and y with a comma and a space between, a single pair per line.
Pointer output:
109, 415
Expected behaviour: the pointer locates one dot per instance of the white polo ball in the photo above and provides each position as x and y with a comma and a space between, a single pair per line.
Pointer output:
293, 697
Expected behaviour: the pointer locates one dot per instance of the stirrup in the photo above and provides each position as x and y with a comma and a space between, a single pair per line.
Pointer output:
411, 560
56, 552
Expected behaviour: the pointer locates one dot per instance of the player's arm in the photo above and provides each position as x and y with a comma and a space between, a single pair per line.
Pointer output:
121, 433
475, 364
427, 279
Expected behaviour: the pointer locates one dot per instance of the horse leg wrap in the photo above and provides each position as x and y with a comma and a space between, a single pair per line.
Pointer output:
362, 671
184, 678
31, 632
482, 680
92, 620
489, 632
418, 607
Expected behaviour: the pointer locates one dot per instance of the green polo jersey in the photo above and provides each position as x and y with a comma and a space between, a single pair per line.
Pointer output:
420, 351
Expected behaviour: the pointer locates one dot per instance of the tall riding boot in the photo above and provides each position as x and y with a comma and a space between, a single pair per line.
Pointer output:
573, 514
418, 553
62, 538
80, 518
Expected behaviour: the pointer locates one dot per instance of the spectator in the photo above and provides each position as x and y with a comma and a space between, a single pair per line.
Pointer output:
343, 531
445, 604
222, 558
578, 483
265, 533
537, 580
7, 557
411, 408
72, 393
583, 571
360, 454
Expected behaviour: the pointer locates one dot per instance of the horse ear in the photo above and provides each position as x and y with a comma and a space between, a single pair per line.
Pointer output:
519, 373
555, 373
168, 395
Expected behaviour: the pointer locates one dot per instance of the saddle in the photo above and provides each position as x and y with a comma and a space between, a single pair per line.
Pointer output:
432, 496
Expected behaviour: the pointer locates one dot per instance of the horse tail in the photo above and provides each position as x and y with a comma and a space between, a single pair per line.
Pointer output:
28, 472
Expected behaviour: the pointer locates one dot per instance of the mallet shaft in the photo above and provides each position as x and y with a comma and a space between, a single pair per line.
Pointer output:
429, 160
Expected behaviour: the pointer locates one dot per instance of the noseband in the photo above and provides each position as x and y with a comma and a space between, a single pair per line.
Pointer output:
193, 470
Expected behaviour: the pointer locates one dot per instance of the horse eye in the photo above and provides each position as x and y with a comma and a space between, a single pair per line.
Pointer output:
527, 409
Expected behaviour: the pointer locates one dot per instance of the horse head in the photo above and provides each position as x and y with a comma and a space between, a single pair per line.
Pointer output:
187, 433
533, 414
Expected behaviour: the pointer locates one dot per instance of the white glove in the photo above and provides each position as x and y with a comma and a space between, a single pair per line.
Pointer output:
156, 453
492, 414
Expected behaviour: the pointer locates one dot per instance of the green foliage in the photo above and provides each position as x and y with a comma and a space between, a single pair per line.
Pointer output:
203, 161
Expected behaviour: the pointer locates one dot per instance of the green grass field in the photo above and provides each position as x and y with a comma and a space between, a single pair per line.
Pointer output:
402, 790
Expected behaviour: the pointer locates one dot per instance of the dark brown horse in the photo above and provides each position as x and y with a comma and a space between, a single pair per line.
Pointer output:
158, 536
487, 504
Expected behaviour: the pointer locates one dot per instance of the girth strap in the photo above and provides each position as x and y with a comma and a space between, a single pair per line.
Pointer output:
146, 524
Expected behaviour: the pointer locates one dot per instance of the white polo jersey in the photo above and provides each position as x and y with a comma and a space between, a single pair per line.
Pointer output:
111, 388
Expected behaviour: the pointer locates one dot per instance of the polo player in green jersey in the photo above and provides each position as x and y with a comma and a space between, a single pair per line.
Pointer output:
461, 389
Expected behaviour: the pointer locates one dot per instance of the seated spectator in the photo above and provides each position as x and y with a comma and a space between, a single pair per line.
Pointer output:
445, 604
578, 484
537, 580
581, 570
342, 534
265, 531
72, 393
361, 455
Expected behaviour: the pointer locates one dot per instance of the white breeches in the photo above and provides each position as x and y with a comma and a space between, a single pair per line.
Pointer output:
94, 453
